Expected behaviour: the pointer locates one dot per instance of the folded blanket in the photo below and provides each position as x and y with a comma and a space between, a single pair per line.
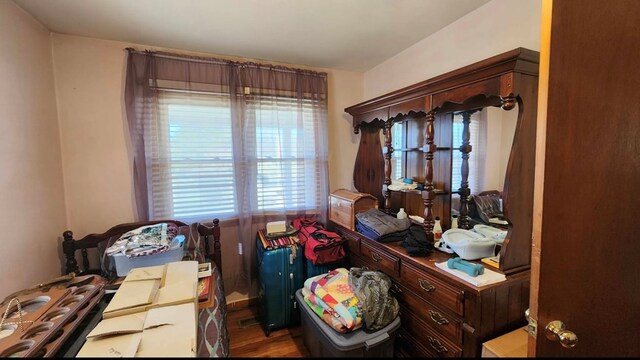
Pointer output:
332, 298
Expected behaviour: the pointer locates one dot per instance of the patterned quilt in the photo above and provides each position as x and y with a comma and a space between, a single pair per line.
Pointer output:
332, 298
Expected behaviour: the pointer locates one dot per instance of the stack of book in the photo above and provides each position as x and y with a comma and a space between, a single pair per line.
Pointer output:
272, 241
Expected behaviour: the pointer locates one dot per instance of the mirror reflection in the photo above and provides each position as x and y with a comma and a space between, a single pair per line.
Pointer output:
491, 133
491, 137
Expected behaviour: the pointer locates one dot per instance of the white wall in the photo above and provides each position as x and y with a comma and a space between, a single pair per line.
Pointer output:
494, 28
89, 85
32, 209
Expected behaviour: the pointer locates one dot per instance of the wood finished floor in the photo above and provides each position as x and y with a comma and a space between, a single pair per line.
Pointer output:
251, 341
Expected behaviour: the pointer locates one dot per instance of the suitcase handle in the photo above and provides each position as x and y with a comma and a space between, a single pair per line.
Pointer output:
376, 340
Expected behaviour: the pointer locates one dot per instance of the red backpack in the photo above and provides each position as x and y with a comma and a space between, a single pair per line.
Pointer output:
320, 246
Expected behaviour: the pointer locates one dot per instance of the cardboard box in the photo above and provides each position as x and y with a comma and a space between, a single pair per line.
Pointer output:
512, 344
169, 331
153, 314
156, 286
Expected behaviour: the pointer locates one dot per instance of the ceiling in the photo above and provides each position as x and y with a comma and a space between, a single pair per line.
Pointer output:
340, 34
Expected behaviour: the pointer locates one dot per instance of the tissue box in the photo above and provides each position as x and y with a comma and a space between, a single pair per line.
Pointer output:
276, 227
124, 264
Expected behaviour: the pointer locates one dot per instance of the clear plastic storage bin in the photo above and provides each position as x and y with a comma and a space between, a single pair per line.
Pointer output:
124, 264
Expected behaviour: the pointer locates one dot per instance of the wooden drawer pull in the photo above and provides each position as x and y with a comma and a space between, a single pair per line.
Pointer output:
437, 318
424, 284
436, 345
375, 257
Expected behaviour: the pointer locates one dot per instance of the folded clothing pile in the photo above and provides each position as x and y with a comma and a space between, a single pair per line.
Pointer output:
145, 240
379, 308
381, 227
416, 242
348, 299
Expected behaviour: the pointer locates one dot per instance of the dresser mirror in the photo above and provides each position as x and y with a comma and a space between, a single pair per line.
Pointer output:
491, 133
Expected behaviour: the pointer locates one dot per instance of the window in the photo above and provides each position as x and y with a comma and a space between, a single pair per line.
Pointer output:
475, 141
192, 171
397, 158
286, 157
198, 153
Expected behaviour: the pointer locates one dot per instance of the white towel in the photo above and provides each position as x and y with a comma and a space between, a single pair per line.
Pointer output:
489, 276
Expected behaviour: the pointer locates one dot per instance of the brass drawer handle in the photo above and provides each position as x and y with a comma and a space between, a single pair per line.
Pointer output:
424, 284
375, 257
438, 318
396, 289
436, 345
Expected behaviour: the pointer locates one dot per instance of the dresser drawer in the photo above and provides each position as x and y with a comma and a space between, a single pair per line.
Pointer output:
407, 347
431, 289
380, 260
442, 323
426, 339
353, 241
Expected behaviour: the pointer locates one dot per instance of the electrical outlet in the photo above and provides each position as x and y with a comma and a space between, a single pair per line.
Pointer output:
239, 248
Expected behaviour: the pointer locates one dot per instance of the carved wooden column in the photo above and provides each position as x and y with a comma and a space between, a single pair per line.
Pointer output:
428, 194
68, 247
465, 149
387, 164
213, 232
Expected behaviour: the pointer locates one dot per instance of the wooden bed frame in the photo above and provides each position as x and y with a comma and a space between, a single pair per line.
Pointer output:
213, 339
69, 245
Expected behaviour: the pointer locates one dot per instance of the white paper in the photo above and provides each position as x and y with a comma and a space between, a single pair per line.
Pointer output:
489, 276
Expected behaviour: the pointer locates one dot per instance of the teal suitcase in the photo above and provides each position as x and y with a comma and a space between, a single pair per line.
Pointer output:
314, 270
280, 274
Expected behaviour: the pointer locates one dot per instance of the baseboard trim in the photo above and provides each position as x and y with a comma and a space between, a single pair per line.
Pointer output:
242, 304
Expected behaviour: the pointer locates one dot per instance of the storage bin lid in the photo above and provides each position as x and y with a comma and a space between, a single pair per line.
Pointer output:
352, 340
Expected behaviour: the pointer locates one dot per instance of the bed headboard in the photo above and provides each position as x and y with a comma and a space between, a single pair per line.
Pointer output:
69, 245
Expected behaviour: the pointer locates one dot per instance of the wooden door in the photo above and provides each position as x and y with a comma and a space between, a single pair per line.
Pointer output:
586, 247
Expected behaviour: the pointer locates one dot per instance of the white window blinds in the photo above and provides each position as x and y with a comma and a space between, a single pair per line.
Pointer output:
191, 163
282, 135
195, 162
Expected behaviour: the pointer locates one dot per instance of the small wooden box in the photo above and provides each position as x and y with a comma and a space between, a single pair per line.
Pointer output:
345, 204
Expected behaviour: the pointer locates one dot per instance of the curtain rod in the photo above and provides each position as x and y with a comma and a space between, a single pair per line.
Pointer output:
205, 60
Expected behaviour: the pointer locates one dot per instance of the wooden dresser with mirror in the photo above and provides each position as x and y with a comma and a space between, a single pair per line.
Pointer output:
468, 131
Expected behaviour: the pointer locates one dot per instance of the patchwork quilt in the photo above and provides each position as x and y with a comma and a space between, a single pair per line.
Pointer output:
332, 298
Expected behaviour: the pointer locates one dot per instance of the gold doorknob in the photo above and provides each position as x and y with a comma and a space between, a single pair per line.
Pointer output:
556, 331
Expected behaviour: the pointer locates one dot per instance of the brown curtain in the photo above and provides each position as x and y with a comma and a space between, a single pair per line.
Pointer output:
259, 97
